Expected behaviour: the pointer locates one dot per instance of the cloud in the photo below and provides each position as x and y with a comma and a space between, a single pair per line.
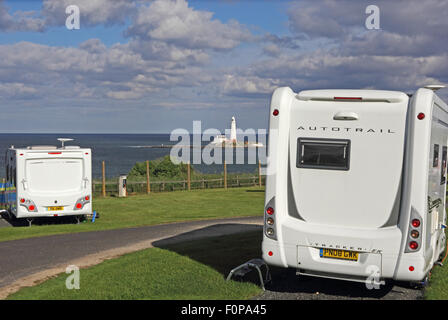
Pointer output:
17, 91
329, 19
169, 46
335, 50
411, 27
326, 69
174, 22
93, 70
19, 21
248, 86
173, 54
92, 12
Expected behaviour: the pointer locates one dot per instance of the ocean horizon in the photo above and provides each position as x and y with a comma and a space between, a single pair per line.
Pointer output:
120, 151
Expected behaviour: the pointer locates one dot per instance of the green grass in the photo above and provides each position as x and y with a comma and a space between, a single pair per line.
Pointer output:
438, 284
190, 270
155, 208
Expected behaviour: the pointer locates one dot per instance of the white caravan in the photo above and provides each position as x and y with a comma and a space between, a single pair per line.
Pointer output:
356, 183
49, 181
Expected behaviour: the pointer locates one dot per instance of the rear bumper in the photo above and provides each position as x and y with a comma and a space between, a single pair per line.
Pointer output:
23, 213
299, 243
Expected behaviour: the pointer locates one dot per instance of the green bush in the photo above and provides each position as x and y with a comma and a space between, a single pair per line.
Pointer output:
160, 168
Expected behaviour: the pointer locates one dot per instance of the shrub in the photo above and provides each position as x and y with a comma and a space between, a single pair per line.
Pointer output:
160, 168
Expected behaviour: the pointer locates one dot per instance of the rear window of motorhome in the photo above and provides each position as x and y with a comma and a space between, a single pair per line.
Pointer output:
323, 154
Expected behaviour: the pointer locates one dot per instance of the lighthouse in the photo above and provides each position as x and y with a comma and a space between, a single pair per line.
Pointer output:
233, 131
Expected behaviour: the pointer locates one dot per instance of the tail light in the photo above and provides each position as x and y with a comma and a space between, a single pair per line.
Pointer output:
421, 116
415, 223
81, 202
414, 232
28, 204
413, 245
269, 220
275, 112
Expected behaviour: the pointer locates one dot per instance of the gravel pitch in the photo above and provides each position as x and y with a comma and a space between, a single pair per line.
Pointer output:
286, 285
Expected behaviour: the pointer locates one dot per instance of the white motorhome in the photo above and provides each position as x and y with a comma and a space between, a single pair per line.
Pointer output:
47, 181
356, 183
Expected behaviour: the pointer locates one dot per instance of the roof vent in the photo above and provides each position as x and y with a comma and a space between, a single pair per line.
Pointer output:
434, 87
41, 147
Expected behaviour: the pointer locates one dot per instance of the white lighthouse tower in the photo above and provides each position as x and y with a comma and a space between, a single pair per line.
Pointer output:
233, 131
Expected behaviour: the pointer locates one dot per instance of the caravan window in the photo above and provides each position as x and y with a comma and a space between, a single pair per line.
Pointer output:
54, 175
323, 153
435, 160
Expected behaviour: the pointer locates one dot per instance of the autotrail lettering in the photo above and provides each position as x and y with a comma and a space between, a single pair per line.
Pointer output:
345, 129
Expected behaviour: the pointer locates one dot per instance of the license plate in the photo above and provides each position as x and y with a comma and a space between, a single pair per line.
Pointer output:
339, 254
55, 208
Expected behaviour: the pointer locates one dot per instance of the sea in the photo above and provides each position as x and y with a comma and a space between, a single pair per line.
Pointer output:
121, 151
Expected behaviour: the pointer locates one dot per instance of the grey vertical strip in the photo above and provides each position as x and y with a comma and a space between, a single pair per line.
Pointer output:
395, 213
292, 207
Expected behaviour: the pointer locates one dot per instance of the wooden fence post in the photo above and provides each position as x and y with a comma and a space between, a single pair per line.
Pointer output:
225, 175
104, 179
148, 184
188, 176
259, 173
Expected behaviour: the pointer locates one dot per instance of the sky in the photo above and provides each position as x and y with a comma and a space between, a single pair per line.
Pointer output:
154, 66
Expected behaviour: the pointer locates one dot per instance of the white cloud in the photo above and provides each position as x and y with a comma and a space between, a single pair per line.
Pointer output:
173, 52
337, 51
174, 22
92, 12
19, 21
92, 69
245, 86
17, 90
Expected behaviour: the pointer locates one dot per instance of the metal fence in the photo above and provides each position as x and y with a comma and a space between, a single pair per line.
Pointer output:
104, 188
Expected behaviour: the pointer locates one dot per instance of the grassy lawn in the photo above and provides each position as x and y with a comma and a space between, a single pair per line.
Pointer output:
155, 208
438, 284
190, 270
